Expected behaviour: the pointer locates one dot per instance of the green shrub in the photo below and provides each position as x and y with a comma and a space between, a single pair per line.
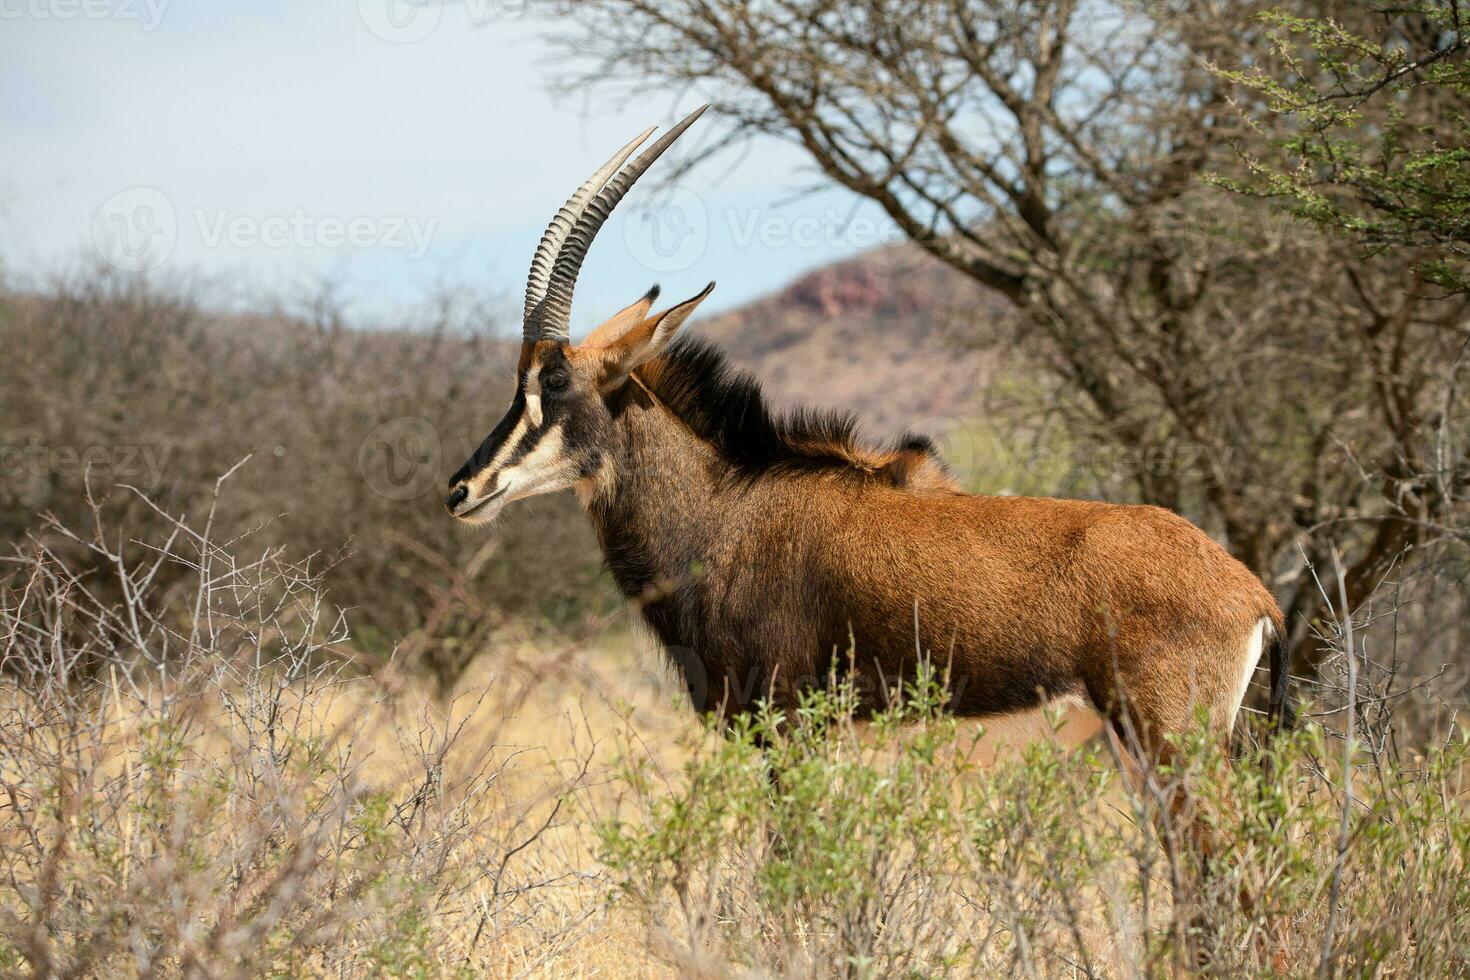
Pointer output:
823, 845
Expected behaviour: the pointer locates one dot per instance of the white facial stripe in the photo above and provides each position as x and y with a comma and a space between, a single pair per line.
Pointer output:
508, 448
540, 469
533, 403
479, 483
533, 396
532, 414
541, 466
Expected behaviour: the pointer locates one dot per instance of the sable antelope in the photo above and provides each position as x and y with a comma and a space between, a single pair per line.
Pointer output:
764, 549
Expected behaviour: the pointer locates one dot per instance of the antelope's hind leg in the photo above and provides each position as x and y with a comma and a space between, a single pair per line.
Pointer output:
1153, 705
1157, 700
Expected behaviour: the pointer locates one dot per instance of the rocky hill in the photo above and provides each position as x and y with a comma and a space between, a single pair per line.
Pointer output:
888, 334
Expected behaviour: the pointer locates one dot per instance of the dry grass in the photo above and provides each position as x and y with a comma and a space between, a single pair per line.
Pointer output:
230, 746
216, 796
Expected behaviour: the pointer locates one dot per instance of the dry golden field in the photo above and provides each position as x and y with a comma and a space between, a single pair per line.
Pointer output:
215, 794
293, 723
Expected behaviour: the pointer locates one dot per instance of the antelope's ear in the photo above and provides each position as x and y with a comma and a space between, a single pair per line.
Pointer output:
645, 341
621, 322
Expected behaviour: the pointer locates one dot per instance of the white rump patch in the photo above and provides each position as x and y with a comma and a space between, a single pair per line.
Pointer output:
1255, 645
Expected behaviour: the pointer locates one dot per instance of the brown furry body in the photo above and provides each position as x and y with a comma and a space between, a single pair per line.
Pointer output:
761, 581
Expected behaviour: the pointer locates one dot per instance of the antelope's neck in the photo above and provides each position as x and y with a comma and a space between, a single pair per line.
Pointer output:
656, 503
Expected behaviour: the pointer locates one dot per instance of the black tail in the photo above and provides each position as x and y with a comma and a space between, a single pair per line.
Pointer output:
1280, 714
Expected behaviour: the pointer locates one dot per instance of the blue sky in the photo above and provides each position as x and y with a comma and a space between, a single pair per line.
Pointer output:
273, 146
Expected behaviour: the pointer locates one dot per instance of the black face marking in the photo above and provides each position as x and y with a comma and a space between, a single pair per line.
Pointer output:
555, 380
487, 449
553, 365
527, 444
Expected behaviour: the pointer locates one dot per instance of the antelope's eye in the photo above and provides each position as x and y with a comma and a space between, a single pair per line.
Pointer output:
555, 380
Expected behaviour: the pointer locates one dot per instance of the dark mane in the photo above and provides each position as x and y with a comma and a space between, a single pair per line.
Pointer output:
726, 407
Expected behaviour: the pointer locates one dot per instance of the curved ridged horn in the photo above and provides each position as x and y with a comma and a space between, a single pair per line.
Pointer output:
556, 311
549, 247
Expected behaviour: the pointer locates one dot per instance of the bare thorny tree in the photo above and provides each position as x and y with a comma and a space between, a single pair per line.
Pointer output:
1280, 385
